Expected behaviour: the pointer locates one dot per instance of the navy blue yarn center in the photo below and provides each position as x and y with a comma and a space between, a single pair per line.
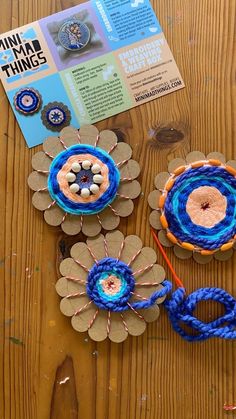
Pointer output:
84, 174
211, 238
25, 108
56, 121
85, 207
112, 267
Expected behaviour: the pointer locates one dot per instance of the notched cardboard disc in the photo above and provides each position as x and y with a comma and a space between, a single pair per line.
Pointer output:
153, 199
108, 219
223, 256
216, 156
123, 207
98, 331
37, 181
121, 152
107, 140
54, 216
161, 179
71, 225
195, 156
130, 170
52, 146
117, 333
154, 220
41, 200
130, 189
174, 164
88, 134
40, 161
91, 226
135, 325
79, 252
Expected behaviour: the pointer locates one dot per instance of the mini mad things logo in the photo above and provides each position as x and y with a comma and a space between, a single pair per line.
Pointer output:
21, 55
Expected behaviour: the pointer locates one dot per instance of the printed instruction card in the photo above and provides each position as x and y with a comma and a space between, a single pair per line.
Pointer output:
85, 64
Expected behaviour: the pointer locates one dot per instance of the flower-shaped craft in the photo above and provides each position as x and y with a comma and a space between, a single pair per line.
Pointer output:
111, 286
195, 207
84, 180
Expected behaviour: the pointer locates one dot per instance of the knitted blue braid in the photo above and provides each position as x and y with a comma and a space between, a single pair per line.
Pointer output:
180, 310
181, 225
121, 301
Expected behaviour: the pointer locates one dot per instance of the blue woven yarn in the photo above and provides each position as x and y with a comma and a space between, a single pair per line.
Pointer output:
86, 207
122, 300
180, 310
178, 219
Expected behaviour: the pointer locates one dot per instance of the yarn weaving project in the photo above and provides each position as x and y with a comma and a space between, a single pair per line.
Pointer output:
180, 308
84, 180
196, 206
111, 286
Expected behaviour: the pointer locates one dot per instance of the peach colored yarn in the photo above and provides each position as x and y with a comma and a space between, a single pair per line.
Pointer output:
206, 206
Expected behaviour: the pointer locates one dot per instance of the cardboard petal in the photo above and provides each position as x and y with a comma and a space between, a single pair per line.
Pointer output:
107, 140
68, 267
41, 200
69, 306
231, 163
37, 181
163, 239
40, 161
223, 256
202, 260
98, 331
88, 134
195, 156
161, 179
130, 170
72, 224
153, 199
130, 189
53, 146
91, 226
174, 164
154, 220
123, 207
79, 252
69, 135
108, 219
81, 321
114, 242
96, 245
117, 331
121, 152
135, 325
216, 156
65, 287
54, 216
132, 245
182, 253
150, 314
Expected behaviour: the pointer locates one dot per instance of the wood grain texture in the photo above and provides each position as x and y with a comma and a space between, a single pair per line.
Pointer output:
156, 376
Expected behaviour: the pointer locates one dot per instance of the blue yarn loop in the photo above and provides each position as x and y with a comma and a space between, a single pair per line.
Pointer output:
180, 310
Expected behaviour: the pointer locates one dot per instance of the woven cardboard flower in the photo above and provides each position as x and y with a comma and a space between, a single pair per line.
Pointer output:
84, 180
195, 206
111, 286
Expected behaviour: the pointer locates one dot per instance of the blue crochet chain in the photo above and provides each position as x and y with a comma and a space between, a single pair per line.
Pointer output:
180, 309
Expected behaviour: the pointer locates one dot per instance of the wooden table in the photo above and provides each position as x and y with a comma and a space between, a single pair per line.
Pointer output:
47, 370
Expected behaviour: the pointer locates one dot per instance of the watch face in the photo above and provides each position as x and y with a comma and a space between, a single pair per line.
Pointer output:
73, 35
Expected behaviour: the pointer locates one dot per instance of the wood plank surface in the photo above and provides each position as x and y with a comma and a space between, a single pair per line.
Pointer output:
47, 370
